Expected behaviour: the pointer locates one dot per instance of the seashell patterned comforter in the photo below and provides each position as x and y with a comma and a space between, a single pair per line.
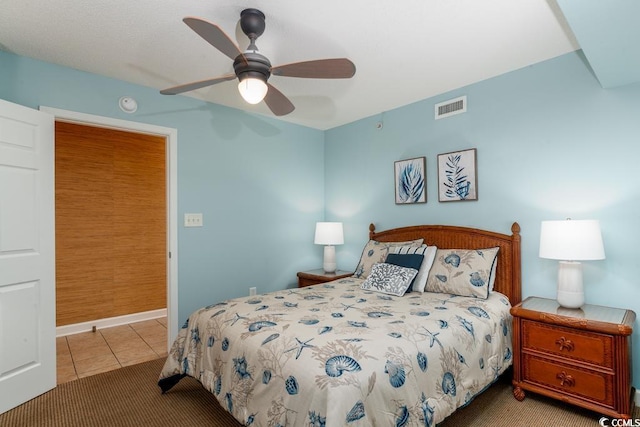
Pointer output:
336, 355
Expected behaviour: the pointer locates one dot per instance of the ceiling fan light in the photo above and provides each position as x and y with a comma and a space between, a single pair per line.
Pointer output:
253, 90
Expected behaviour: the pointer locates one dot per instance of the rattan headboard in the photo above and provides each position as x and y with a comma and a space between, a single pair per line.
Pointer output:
508, 272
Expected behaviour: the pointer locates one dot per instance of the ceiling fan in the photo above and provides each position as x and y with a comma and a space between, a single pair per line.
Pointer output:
253, 69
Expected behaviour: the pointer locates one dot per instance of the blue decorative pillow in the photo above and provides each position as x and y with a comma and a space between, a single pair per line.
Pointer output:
465, 272
406, 260
429, 253
389, 279
375, 252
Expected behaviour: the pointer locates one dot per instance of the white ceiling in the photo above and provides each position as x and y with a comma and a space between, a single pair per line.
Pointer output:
404, 51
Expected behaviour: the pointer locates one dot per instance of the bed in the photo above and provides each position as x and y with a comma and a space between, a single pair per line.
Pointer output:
346, 353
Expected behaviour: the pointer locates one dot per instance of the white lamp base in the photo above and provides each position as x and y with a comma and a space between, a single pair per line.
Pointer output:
570, 288
329, 263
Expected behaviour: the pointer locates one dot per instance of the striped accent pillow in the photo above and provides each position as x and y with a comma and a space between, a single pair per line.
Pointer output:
375, 252
429, 253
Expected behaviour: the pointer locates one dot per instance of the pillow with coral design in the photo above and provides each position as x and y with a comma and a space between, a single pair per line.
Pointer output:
464, 272
375, 252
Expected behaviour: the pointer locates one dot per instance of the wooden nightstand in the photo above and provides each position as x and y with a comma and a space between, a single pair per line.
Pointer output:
313, 277
580, 356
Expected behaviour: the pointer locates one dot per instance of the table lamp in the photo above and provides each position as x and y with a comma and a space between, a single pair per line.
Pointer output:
571, 242
329, 234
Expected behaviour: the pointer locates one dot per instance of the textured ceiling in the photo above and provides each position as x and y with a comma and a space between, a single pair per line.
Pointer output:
403, 51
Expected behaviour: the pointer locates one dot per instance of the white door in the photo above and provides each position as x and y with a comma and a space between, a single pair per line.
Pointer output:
27, 255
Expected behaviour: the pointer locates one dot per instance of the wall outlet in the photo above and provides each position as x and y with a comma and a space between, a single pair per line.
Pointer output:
193, 220
252, 291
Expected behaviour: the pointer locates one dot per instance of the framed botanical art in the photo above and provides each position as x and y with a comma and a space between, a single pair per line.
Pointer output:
457, 176
410, 177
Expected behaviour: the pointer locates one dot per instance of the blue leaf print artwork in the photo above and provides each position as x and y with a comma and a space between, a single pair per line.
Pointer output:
356, 413
456, 183
410, 181
336, 365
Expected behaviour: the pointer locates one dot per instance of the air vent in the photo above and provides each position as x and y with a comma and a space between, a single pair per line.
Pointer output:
451, 107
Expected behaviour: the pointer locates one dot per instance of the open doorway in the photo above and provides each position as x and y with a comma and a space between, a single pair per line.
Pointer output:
170, 137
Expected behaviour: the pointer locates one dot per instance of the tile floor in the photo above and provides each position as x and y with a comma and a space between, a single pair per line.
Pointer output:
90, 353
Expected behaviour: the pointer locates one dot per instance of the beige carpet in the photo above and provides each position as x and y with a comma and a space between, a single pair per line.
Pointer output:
130, 397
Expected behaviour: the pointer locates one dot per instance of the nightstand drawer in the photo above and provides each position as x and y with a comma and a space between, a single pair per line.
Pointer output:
569, 343
585, 384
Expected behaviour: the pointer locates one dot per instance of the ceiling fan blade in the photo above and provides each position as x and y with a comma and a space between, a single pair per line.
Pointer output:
197, 85
335, 68
277, 102
214, 35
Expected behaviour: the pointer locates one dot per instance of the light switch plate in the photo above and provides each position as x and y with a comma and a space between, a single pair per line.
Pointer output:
193, 220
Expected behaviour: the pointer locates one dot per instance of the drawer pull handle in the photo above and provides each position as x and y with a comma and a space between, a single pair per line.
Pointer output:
566, 379
565, 344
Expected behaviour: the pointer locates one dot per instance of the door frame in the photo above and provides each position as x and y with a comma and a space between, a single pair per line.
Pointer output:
171, 138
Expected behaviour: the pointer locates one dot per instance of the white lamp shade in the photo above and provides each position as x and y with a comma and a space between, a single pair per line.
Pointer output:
571, 240
253, 90
329, 233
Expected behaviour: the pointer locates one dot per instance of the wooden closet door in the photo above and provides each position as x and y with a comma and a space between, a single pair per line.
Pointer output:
111, 223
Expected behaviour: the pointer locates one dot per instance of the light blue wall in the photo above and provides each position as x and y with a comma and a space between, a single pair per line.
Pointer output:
258, 181
551, 144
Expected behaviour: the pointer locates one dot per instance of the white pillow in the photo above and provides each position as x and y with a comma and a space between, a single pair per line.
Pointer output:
389, 279
429, 253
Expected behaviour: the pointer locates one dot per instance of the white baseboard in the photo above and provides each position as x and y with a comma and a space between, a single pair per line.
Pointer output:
76, 328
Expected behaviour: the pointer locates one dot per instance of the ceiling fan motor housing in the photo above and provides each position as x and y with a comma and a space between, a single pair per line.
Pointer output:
252, 64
